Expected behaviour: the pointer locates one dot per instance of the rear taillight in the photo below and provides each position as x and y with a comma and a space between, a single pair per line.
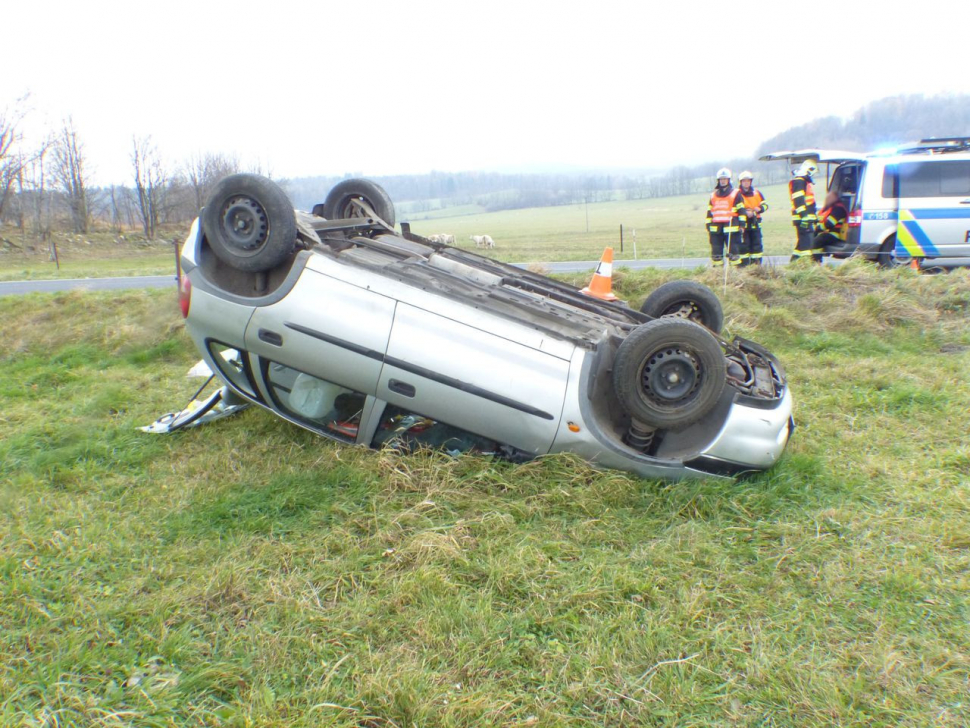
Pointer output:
185, 295
855, 218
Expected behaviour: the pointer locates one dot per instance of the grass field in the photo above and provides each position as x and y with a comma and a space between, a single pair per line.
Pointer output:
250, 574
669, 227
97, 255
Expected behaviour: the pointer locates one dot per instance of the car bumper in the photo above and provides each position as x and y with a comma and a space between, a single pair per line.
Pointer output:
752, 438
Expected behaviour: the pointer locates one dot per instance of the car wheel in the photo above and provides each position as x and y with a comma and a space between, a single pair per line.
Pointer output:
339, 204
669, 373
688, 300
888, 257
249, 222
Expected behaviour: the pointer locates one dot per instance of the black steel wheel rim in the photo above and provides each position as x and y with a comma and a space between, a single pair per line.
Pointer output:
245, 224
670, 376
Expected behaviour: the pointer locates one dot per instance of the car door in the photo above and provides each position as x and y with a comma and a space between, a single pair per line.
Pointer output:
328, 328
472, 379
934, 208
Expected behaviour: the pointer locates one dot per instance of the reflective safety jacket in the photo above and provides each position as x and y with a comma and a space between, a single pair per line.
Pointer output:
724, 210
802, 194
753, 200
835, 220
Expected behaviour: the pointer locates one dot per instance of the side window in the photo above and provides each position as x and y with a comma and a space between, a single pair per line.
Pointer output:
233, 367
954, 178
405, 430
919, 179
890, 182
939, 178
328, 407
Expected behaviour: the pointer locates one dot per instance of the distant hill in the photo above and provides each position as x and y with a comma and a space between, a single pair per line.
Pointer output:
885, 122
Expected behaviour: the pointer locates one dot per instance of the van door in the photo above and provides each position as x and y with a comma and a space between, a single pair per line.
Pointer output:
934, 208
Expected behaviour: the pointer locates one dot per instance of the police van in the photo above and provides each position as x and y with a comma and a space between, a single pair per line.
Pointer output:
908, 204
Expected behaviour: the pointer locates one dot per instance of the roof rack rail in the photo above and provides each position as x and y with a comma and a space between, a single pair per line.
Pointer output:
937, 144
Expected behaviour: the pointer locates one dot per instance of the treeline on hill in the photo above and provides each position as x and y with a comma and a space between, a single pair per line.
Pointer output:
46, 186
494, 191
883, 123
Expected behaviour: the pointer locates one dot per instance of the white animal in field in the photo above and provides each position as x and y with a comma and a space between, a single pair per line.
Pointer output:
447, 238
483, 241
435, 238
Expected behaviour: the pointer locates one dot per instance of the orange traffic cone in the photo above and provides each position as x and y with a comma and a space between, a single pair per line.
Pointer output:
914, 264
602, 284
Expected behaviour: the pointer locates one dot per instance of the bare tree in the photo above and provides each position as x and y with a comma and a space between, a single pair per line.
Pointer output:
36, 197
12, 160
150, 183
202, 171
69, 164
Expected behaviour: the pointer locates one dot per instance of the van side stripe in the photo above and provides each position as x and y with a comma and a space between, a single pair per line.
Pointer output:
945, 213
422, 372
941, 213
913, 238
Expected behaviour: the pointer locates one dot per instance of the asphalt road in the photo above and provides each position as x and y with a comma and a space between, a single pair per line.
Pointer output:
9, 288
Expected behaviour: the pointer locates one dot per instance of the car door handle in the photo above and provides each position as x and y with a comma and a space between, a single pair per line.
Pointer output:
965, 202
270, 337
403, 388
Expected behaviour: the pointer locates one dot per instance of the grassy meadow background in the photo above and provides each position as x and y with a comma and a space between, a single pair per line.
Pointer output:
248, 573
668, 227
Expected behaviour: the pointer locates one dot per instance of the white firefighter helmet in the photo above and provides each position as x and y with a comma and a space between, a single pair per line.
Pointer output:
724, 173
745, 175
807, 169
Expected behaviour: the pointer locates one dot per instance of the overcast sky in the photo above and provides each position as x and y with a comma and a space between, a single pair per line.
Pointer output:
379, 87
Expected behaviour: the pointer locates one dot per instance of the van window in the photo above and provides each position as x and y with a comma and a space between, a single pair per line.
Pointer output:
890, 182
954, 179
940, 178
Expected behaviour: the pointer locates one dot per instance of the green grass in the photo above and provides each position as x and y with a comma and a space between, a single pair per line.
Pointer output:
97, 255
248, 573
669, 227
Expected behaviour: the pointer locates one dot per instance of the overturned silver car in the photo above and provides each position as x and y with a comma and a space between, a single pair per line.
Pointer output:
342, 325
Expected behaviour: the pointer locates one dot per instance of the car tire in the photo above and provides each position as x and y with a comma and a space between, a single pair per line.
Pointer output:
338, 205
888, 257
688, 300
669, 373
249, 222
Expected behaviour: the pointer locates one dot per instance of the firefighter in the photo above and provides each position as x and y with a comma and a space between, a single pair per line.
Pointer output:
755, 205
833, 223
724, 220
803, 211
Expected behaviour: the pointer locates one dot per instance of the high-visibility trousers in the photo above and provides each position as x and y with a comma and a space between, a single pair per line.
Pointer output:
723, 237
805, 244
752, 249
